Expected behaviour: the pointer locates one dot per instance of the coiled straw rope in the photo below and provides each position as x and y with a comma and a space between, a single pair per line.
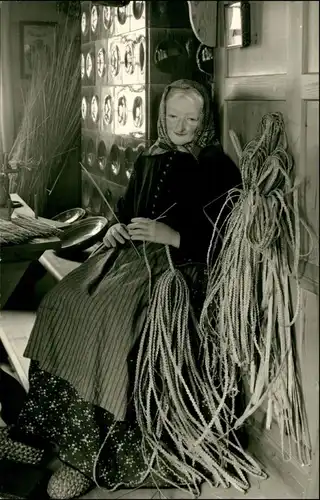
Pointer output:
248, 307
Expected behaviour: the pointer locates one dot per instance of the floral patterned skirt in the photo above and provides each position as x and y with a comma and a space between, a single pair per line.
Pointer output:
55, 413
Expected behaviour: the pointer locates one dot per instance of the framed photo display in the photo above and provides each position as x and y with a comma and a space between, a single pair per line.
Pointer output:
35, 38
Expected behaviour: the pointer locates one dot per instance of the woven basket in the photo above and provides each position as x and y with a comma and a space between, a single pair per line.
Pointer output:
18, 452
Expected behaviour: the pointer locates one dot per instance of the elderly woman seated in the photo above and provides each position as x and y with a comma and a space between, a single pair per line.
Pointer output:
86, 343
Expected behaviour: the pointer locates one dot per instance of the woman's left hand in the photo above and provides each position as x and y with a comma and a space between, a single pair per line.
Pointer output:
142, 229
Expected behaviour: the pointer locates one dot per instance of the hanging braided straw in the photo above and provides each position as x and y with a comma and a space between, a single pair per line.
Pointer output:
248, 307
177, 400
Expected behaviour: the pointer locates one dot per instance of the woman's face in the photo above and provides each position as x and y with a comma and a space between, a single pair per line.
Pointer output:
183, 116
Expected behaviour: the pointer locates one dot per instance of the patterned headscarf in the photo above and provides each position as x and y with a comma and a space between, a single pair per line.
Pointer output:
205, 134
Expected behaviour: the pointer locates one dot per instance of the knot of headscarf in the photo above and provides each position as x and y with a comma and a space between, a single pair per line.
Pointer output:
205, 134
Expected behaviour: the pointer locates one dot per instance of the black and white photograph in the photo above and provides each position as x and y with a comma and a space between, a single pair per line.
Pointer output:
159, 249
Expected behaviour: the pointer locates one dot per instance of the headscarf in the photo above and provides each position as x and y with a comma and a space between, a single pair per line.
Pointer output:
205, 134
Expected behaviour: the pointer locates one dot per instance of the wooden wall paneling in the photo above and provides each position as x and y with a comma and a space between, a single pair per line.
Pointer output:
309, 276
295, 106
312, 489
313, 37
302, 120
310, 87
303, 129
279, 73
269, 87
307, 341
302, 125
220, 71
310, 171
268, 55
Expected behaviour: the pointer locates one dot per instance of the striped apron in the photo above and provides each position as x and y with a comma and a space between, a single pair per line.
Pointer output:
87, 324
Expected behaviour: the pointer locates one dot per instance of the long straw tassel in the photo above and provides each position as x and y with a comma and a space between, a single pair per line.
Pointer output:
262, 230
177, 408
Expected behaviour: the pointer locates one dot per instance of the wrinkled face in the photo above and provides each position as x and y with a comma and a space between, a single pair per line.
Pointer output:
183, 115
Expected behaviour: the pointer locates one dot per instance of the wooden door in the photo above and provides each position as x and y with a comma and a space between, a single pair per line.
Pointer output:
280, 72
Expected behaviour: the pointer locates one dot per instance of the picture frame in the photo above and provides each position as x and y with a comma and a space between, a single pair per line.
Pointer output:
237, 24
35, 36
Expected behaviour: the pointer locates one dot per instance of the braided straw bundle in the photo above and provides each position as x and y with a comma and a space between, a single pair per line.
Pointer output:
248, 308
177, 400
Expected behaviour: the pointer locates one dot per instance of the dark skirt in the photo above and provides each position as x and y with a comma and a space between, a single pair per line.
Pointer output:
55, 413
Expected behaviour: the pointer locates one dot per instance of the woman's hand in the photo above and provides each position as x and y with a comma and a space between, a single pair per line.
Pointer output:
116, 234
142, 229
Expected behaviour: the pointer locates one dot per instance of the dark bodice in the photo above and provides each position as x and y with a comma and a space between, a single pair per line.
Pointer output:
174, 188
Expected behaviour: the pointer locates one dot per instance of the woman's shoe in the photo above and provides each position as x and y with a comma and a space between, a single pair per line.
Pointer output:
18, 452
67, 483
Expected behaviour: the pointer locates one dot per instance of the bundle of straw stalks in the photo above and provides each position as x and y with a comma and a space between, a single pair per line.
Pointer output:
249, 312
50, 126
23, 228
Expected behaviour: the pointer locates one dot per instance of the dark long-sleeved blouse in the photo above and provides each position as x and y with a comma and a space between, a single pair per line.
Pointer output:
187, 185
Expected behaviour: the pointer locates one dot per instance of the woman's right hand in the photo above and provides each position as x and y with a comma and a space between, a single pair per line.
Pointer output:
116, 234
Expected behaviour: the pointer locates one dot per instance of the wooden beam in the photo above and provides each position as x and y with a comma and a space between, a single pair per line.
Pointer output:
261, 87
